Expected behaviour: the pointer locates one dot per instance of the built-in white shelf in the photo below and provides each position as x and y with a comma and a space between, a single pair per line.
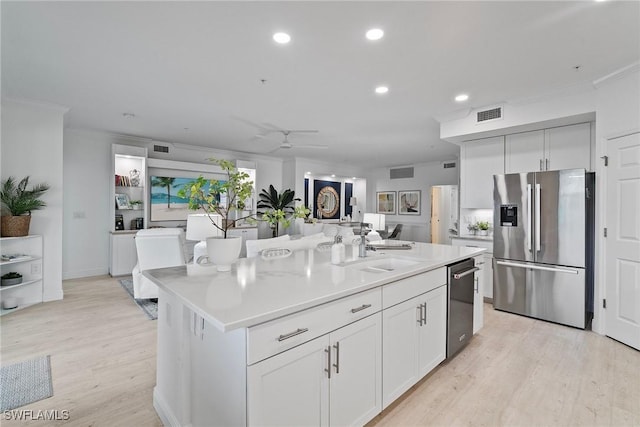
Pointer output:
24, 283
17, 261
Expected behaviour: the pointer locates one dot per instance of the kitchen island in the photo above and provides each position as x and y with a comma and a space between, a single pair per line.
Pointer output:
297, 340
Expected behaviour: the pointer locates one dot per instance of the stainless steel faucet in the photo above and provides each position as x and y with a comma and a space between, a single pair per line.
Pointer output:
363, 242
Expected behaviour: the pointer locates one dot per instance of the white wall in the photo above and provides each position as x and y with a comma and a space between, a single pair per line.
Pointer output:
618, 113
32, 145
415, 227
87, 181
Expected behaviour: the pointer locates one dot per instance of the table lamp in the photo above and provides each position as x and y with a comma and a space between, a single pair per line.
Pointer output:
200, 227
377, 222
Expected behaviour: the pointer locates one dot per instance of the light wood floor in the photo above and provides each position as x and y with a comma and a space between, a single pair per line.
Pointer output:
515, 372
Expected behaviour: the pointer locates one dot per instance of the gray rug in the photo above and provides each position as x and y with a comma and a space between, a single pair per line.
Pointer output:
25, 382
149, 307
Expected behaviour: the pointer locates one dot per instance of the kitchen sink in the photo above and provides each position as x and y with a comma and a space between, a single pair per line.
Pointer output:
381, 264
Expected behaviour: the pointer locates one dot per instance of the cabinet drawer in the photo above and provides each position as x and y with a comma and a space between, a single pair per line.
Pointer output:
279, 335
402, 290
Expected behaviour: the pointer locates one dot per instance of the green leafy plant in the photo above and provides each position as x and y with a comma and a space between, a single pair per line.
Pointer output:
18, 200
12, 275
279, 207
205, 194
483, 225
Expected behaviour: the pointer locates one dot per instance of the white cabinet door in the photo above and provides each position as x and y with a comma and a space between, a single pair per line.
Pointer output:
478, 295
411, 346
399, 349
488, 275
524, 152
291, 388
569, 147
356, 377
480, 160
123, 254
432, 334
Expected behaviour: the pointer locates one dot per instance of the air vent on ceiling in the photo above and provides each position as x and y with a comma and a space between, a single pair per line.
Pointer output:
492, 114
401, 173
448, 165
160, 149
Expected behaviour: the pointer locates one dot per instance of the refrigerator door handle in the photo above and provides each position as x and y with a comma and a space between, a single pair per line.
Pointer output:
537, 219
538, 267
529, 223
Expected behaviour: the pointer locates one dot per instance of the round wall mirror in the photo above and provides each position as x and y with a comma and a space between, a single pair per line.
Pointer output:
328, 202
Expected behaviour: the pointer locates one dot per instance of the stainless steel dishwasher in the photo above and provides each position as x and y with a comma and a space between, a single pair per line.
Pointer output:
460, 305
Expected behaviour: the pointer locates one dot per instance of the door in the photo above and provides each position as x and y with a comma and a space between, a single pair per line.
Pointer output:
356, 378
524, 152
291, 388
560, 217
436, 206
432, 334
513, 194
400, 348
622, 245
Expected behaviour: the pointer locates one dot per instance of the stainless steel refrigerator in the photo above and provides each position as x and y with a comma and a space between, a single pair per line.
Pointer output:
444, 213
543, 245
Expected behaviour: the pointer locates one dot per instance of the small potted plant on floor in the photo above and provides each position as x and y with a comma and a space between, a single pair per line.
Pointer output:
12, 278
17, 204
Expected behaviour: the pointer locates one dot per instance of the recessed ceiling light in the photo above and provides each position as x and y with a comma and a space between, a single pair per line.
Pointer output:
308, 173
355, 177
333, 175
382, 89
374, 34
282, 38
462, 97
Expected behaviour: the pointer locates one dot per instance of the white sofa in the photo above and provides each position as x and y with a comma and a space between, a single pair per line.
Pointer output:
156, 248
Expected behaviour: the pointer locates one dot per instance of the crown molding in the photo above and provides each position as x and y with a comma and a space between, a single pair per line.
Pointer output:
618, 74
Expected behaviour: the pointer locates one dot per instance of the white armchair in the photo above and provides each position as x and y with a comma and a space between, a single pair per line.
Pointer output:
156, 248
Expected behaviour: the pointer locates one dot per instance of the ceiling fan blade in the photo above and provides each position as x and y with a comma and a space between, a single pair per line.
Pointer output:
320, 147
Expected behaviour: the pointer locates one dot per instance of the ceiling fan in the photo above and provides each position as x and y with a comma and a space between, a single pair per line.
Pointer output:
285, 144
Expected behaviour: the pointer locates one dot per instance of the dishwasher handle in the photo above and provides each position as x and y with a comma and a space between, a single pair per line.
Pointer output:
458, 276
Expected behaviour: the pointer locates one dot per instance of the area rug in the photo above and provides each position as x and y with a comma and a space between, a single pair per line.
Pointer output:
25, 382
149, 307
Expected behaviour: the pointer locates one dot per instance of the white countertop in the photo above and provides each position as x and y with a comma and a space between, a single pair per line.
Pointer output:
474, 237
257, 290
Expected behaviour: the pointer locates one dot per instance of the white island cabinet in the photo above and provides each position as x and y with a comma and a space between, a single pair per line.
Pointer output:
297, 340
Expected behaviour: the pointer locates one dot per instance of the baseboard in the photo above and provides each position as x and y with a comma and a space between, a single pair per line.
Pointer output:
66, 275
163, 410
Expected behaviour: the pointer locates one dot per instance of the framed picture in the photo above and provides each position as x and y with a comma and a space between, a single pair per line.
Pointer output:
122, 201
386, 202
409, 202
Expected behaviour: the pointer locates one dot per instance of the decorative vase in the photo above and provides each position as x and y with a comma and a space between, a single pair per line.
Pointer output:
223, 252
9, 282
483, 232
15, 226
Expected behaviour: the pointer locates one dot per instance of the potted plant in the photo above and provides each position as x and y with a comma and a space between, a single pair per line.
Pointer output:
17, 204
136, 204
11, 278
279, 208
473, 228
205, 194
483, 227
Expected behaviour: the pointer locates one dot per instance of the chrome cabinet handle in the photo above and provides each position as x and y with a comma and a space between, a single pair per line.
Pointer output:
529, 213
337, 364
476, 286
537, 220
292, 334
362, 307
424, 316
541, 164
459, 276
546, 162
328, 369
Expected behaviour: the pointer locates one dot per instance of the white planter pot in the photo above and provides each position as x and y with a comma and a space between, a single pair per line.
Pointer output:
309, 229
223, 252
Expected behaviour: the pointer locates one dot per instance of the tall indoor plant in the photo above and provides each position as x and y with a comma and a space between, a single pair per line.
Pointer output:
17, 204
223, 198
279, 208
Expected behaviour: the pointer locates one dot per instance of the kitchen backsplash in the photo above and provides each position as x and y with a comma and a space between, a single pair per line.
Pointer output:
471, 216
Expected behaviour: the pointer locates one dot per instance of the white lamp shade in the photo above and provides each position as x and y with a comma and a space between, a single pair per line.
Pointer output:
200, 226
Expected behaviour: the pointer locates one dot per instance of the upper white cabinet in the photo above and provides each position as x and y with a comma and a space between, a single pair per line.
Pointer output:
480, 160
565, 147
524, 152
568, 147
